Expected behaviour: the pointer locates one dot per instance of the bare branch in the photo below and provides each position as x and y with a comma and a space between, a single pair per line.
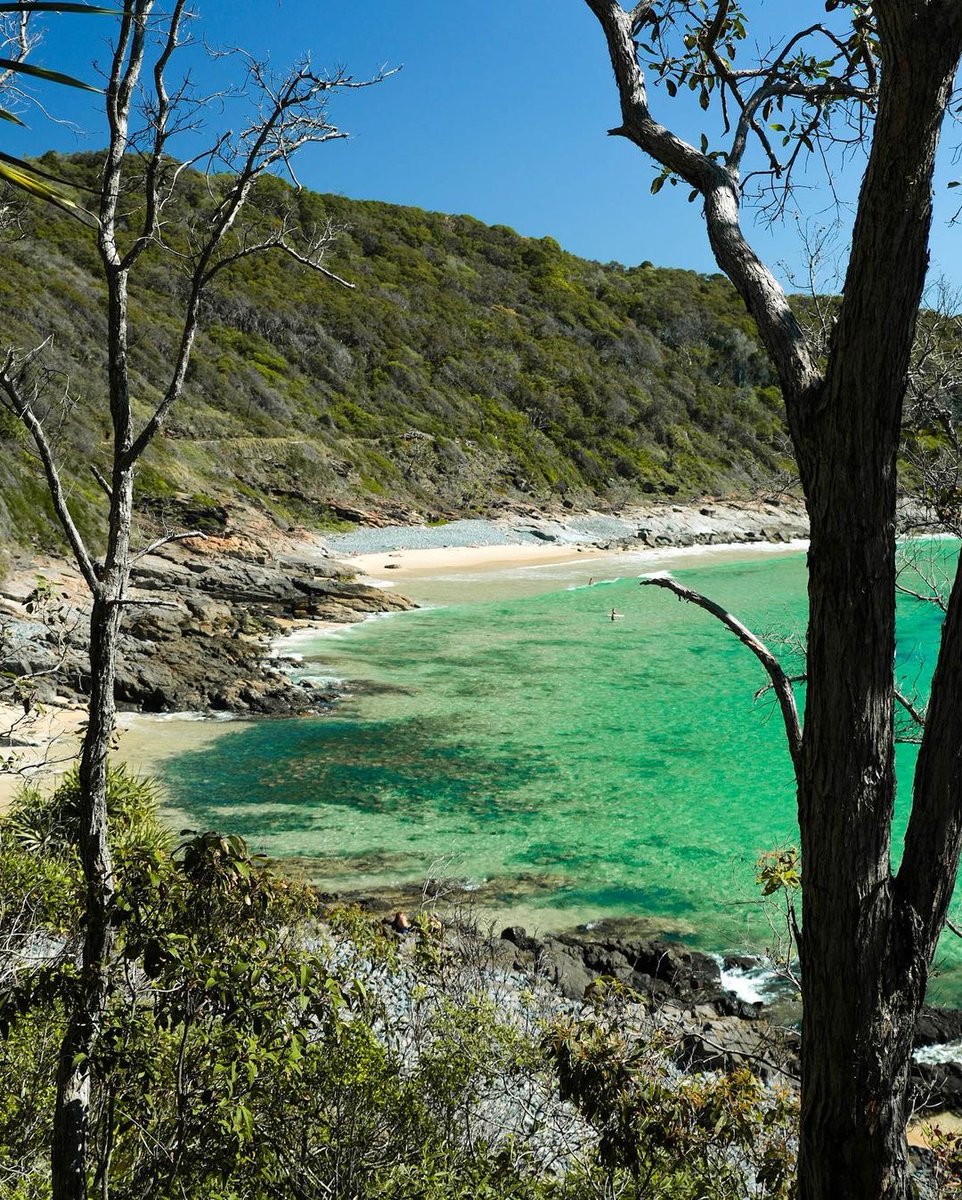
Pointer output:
165, 541
102, 482
292, 114
765, 298
13, 385
160, 120
781, 682
917, 715
953, 928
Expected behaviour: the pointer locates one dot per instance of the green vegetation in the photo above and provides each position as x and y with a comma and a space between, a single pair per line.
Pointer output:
255, 1046
469, 365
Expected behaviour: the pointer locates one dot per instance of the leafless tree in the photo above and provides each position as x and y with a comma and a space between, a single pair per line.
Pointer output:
139, 182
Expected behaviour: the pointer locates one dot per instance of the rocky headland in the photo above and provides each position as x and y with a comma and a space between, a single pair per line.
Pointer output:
198, 634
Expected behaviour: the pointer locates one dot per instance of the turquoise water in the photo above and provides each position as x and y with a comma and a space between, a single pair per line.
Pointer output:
569, 766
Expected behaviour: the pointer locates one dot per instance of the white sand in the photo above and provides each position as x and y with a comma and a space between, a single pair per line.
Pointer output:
445, 559
143, 742
54, 737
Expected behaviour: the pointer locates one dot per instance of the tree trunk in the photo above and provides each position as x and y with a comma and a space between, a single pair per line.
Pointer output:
867, 940
72, 1114
863, 960
74, 1079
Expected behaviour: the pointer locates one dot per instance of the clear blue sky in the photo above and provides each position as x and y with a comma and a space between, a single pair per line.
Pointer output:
500, 110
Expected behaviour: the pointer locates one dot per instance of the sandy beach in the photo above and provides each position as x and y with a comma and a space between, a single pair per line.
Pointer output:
425, 563
143, 742
445, 559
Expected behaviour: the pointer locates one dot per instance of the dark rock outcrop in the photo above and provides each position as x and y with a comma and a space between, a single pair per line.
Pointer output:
662, 971
197, 633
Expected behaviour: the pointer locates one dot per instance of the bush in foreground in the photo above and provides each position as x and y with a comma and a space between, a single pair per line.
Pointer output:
254, 1046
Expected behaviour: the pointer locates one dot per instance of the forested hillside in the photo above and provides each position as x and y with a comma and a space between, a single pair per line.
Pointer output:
469, 365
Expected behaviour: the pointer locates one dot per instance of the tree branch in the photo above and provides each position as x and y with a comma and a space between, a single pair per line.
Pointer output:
916, 715
158, 543
926, 877
764, 297
101, 481
12, 382
781, 683
294, 115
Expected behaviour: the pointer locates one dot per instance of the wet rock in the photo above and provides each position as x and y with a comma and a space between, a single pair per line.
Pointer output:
196, 637
937, 1026
937, 1086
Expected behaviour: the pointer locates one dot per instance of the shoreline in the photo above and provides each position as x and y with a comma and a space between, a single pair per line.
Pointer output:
394, 557
446, 560
145, 741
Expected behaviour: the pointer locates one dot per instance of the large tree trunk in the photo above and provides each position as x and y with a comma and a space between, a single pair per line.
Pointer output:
867, 938
863, 960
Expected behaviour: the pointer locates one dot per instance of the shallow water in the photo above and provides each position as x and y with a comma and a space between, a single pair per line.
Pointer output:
569, 766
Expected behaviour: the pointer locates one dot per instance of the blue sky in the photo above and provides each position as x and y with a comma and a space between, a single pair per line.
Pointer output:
499, 110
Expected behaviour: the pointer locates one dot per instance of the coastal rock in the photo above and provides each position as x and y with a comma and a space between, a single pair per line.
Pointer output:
937, 1086
662, 971
196, 638
727, 1043
936, 1026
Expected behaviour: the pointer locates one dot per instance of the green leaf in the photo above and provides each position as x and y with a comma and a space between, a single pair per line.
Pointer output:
657, 185
19, 175
9, 116
10, 64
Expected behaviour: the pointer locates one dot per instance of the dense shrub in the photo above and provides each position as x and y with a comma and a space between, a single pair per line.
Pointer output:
253, 1046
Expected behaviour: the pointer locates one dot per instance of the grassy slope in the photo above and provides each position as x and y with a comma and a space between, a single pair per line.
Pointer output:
469, 365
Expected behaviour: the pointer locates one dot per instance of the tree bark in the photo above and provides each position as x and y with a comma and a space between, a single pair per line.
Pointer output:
864, 964
69, 1158
867, 938
72, 1114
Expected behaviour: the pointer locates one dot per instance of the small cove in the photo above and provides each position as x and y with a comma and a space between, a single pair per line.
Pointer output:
568, 767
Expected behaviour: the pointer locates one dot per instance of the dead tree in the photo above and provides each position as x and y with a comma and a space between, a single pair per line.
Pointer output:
145, 111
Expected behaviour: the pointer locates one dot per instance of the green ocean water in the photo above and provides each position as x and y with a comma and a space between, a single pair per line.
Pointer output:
569, 767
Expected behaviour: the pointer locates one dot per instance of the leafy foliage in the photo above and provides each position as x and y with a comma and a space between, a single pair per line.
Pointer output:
469, 365
703, 1135
251, 1048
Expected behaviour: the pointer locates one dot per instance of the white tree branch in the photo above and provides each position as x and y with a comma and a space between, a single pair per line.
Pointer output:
12, 387
781, 682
